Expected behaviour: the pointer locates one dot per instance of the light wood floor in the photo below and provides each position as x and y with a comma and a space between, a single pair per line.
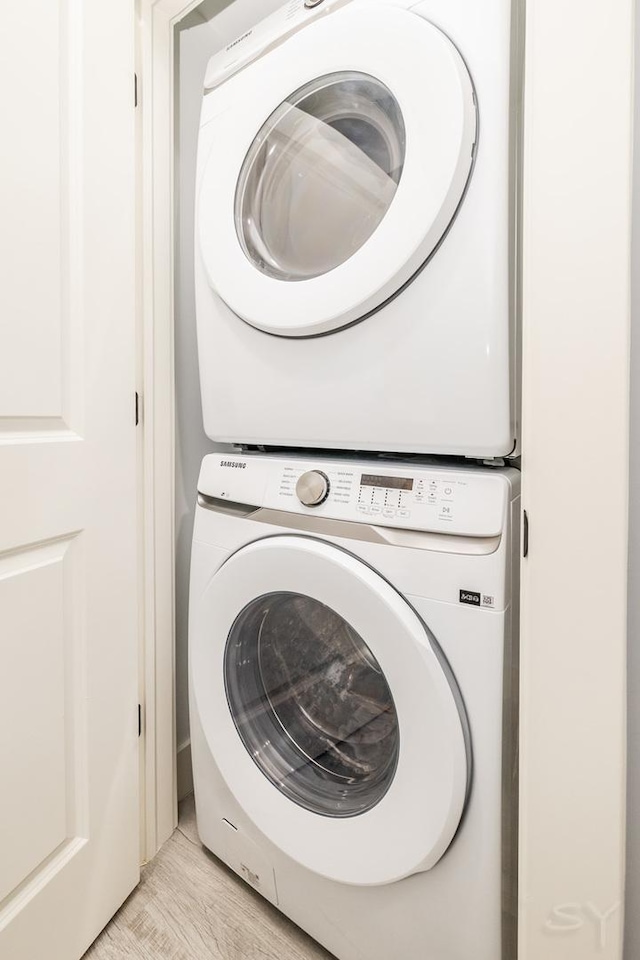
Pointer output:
189, 906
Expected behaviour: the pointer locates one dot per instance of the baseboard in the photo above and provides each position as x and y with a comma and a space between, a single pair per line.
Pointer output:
184, 771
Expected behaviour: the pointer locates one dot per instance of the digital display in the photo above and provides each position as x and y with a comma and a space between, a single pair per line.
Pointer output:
391, 483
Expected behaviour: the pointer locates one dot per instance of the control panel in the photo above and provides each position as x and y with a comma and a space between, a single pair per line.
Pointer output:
453, 500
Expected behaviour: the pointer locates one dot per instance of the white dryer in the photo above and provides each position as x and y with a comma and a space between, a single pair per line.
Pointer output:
352, 684
356, 229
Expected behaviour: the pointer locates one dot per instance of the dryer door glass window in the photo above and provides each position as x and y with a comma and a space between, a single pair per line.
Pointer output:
311, 704
320, 176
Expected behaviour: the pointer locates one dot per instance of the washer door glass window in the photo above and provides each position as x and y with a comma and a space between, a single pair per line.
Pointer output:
320, 176
311, 704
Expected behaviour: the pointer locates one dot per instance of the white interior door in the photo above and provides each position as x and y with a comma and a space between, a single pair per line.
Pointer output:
68, 683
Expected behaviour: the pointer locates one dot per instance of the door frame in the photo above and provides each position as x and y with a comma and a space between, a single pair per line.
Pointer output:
157, 19
563, 419
577, 193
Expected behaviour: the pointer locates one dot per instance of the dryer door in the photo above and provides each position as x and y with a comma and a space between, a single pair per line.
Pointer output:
330, 711
338, 164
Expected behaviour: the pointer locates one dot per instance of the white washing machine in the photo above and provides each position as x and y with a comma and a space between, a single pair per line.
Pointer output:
356, 229
353, 697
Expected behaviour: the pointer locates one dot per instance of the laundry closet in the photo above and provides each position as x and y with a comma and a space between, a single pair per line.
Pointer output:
299, 340
280, 521
356, 305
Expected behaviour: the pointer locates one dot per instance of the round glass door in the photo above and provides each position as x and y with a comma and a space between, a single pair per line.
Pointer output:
330, 171
311, 704
328, 708
320, 176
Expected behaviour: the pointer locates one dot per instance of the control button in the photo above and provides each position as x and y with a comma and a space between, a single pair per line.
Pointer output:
313, 488
388, 512
404, 514
376, 508
363, 509
448, 491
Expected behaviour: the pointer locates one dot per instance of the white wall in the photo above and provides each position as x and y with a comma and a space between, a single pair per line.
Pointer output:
632, 926
191, 443
199, 38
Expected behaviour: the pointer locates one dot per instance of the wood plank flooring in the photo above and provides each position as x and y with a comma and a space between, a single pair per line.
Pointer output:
189, 906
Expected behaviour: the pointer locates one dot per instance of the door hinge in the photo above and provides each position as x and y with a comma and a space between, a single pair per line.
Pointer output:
525, 534
137, 408
139, 719
135, 89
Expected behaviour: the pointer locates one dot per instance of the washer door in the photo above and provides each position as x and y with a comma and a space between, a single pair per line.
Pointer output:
337, 169
330, 711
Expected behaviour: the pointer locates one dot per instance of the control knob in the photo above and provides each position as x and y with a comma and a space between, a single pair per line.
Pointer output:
313, 488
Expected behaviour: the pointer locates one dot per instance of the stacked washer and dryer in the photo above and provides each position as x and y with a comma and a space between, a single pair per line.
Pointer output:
353, 613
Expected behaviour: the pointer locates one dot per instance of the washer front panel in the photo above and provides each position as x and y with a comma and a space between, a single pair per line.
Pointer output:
339, 280
419, 794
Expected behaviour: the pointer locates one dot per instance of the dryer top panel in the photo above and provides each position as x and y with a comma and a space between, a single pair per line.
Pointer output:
469, 502
270, 32
256, 41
